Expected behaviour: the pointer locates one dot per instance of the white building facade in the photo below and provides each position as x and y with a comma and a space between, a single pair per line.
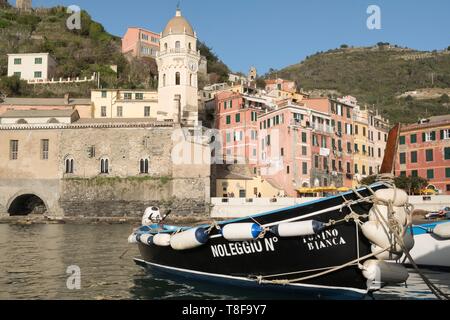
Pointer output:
31, 66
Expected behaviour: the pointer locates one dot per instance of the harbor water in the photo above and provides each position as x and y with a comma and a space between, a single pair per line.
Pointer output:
38, 262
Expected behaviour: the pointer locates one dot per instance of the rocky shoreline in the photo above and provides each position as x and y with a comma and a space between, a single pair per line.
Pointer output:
135, 221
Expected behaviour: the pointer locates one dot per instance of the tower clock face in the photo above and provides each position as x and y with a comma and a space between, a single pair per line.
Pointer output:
193, 66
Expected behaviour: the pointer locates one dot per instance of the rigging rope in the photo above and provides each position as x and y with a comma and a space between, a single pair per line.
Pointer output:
394, 230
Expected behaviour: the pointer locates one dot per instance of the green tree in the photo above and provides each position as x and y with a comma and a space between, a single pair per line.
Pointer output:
13, 86
412, 185
409, 99
444, 98
260, 82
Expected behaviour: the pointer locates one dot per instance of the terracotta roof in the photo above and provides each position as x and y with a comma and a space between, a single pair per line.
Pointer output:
43, 101
118, 120
38, 113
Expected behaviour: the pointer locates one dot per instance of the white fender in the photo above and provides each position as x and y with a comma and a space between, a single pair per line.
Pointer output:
398, 197
241, 231
189, 239
376, 234
385, 255
298, 229
399, 214
376, 270
162, 239
146, 239
442, 230
132, 239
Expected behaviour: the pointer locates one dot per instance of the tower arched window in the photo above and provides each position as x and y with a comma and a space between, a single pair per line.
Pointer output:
69, 165
143, 166
104, 165
164, 80
177, 79
177, 45
191, 78
165, 46
190, 46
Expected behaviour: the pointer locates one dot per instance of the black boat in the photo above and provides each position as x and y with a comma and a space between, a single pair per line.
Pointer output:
335, 247
327, 259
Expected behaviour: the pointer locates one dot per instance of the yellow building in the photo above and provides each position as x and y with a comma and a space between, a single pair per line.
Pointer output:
361, 148
114, 103
237, 182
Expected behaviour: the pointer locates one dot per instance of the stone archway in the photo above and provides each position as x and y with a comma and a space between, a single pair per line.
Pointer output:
26, 204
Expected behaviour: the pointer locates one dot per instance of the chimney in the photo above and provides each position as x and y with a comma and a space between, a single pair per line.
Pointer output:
67, 98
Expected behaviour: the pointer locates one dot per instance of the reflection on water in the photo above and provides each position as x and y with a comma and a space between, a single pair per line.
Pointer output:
34, 260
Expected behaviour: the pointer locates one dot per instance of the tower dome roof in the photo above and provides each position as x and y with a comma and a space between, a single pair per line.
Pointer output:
178, 25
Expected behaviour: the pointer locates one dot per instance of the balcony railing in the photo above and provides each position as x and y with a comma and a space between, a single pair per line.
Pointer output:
322, 128
178, 50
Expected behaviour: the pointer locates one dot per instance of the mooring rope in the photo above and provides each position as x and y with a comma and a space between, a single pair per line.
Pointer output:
334, 269
393, 229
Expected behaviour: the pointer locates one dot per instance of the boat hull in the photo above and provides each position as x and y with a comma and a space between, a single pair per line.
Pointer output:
274, 258
430, 251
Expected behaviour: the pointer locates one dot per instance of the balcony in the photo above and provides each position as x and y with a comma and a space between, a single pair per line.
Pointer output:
322, 128
178, 50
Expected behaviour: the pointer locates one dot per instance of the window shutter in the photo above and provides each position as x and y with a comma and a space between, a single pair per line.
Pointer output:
442, 134
433, 136
423, 137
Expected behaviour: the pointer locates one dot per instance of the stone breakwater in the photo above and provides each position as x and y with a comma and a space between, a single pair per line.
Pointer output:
134, 221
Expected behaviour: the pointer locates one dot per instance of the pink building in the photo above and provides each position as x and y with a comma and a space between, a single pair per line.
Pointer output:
424, 151
281, 84
342, 142
237, 120
285, 148
138, 42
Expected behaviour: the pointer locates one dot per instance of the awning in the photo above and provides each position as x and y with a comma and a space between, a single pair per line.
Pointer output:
428, 192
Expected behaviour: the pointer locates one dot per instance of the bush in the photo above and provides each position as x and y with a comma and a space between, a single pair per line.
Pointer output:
4, 23
13, 86
444, 98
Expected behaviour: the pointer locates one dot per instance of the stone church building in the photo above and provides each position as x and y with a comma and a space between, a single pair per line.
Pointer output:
57, 162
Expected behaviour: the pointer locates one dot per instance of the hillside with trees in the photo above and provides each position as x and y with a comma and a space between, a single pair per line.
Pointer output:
376, 76
79, 53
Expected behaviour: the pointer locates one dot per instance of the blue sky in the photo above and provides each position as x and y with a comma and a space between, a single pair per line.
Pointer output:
274, 34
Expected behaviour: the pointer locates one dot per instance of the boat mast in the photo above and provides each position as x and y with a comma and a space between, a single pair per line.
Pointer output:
388, 166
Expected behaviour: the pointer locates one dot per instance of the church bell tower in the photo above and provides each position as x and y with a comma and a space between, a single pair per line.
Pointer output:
178, 63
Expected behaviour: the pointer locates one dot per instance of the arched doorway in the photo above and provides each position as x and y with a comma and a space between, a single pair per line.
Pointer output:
27, 204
